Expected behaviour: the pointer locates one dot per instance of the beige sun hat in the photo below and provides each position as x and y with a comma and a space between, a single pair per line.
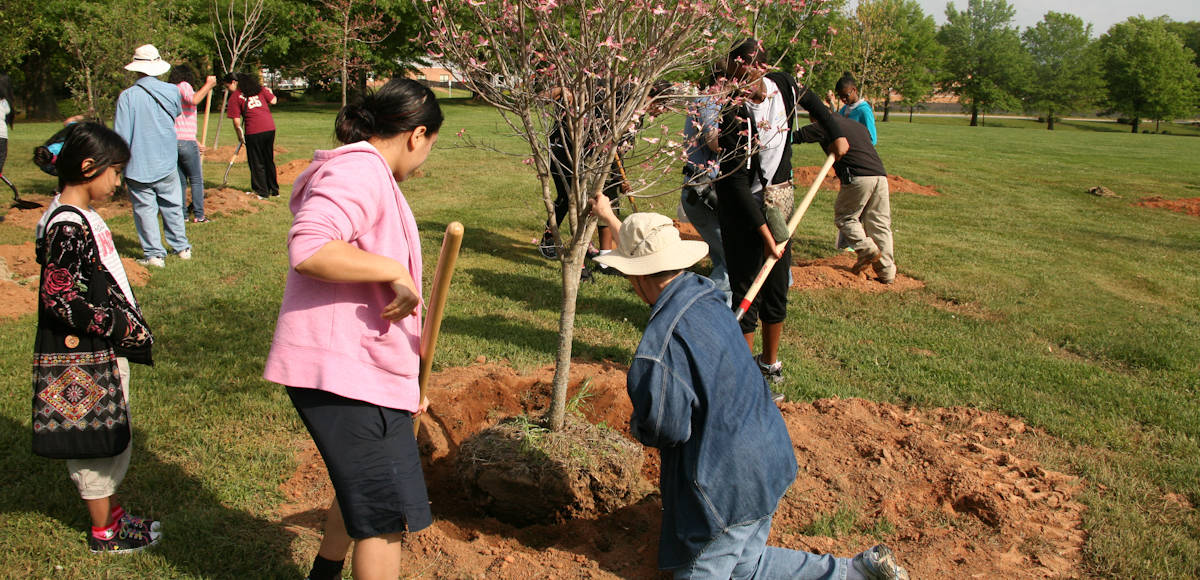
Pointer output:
649, 243
146, 60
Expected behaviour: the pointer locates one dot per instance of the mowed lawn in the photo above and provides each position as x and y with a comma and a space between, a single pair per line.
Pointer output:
1078, 314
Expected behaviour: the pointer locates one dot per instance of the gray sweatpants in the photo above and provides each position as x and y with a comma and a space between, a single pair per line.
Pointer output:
863, 215
98, 478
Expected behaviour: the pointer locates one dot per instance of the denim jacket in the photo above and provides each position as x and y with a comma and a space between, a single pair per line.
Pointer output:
699, 397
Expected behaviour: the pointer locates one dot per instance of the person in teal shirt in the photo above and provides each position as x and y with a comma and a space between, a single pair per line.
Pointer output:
854, 107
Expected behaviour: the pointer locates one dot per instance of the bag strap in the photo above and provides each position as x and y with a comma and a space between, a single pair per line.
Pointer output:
160, 105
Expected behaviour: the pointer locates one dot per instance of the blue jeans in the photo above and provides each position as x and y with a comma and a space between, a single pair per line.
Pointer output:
150, 199
741, 552
704, 219
190, 172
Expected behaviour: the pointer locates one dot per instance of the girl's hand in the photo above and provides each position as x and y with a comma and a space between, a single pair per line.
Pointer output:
602, 207
423, 407
406, 302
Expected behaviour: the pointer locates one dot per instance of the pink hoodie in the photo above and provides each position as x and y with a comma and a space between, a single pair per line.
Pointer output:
330, 335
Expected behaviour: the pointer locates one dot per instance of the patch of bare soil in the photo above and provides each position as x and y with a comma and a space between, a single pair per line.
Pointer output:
1190, 206
834, 272
28, 218
957, 492
804, 176
19, 273
288, 172
227, 200
223, 153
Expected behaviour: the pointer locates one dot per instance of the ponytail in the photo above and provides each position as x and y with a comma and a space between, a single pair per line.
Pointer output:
397, 107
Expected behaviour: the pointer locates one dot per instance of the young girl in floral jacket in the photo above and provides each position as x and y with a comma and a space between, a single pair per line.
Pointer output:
74, 245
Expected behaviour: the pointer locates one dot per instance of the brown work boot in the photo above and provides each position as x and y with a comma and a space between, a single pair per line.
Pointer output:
866, 257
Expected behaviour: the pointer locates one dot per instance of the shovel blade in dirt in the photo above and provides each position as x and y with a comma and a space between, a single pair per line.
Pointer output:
225, 180
17, 201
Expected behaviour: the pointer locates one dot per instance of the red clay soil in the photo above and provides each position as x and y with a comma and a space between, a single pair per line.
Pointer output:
959, 491
1190, 206
223, 153
19, 273
288, 172
834, 272
227, 200
831, 272
804, 176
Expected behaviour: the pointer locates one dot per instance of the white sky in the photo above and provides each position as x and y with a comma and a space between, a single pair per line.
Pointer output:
1100, 13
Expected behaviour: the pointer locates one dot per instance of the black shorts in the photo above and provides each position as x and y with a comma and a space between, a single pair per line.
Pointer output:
372, 459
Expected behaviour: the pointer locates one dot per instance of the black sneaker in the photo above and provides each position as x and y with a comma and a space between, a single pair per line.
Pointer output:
546, 246
128, 539
140, 523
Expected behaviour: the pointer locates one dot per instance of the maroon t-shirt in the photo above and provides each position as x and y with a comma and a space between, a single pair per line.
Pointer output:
255, 111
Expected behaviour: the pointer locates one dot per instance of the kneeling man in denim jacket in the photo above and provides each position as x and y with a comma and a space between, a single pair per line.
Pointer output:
699, 397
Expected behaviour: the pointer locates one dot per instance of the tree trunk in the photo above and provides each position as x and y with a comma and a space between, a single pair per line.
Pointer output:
1135, 122
571, 269
910, 114
1156, 124
887, 105
1050, 120
345, 54
974, 115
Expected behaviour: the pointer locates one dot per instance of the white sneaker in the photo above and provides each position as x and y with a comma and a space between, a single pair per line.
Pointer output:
186, 254
155, 261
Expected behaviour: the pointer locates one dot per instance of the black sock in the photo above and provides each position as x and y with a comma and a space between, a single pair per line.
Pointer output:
326, 569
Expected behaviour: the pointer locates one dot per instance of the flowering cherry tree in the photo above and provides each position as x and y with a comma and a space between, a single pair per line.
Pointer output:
595, 71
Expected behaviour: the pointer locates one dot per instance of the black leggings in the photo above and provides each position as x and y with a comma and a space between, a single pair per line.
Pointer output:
3, 152
260, 155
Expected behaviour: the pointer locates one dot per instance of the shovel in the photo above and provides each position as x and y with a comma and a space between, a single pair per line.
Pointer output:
225, 180
17, 201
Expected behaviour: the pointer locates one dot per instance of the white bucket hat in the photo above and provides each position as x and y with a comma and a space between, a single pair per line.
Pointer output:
648, 243
146, 60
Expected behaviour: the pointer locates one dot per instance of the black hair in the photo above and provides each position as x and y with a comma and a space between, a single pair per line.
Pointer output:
6, 93
84, 140
845, 82
182, 73
749, 52
228, 78
397, 107
248, 84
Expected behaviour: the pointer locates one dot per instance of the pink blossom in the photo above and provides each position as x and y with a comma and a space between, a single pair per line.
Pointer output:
610, 43
527, 161
659, 10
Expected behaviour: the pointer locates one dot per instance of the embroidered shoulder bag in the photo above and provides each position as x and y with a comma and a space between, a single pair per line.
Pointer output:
79, 409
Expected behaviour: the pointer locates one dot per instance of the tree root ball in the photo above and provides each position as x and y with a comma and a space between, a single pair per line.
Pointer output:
522, 474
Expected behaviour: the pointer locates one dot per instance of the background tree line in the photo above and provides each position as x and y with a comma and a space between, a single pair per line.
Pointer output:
1140, 69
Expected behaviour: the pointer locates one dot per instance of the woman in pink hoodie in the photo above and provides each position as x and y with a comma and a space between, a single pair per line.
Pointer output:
347, 343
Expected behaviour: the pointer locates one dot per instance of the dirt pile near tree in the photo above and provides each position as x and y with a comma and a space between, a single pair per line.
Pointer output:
958, 492
229, 201
288, 172
834, 272
804, 176
19, 273
1190, 205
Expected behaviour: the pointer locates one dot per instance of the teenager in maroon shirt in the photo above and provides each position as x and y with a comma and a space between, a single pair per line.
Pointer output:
250, 108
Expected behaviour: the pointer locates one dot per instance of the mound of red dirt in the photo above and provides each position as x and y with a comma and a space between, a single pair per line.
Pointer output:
1190, 206
227, 200
223, 153
28, 218
804, 176
19, 273
834, 272
288, 172
958, 492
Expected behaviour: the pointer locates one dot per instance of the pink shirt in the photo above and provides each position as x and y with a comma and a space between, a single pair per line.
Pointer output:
329, 335
185, 123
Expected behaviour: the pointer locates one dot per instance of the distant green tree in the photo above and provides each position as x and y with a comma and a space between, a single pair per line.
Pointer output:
1189, 32
917, 56
1150, 73
985, 61
1065, 71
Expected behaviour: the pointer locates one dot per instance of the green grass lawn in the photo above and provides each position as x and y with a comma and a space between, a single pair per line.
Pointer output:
1081, 315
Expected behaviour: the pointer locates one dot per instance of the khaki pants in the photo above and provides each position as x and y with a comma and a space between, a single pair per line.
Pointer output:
98, 478
863, 215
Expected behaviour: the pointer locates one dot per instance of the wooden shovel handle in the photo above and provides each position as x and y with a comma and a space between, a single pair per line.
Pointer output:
437, 306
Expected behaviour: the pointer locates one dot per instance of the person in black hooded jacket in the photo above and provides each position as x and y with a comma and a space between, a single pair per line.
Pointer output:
756, 169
